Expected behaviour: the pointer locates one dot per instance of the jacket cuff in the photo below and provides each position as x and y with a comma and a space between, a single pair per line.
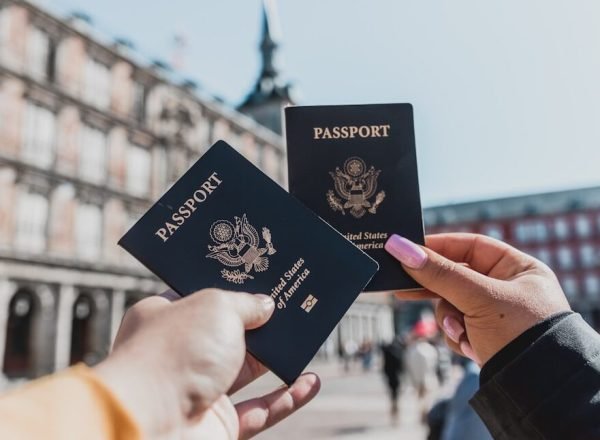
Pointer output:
508, 401
519, 345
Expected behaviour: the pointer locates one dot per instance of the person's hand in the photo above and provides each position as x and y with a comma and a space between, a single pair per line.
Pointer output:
175, 364
490, 292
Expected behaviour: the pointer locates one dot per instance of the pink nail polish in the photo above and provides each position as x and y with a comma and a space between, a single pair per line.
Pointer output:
453, 328
408, 253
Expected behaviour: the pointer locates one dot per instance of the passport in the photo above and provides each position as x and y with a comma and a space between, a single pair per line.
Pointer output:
356, 167
225, 224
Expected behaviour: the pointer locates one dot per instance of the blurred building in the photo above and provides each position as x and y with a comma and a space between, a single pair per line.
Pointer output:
562, 229
90, 136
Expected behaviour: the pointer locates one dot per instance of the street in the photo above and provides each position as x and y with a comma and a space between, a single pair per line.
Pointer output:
350, 406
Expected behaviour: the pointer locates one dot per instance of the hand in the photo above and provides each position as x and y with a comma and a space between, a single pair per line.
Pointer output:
175, 364
490, 292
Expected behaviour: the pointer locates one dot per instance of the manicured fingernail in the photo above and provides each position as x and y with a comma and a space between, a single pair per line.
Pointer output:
171, 295
407, 252
467, 350
453, 328
266, 300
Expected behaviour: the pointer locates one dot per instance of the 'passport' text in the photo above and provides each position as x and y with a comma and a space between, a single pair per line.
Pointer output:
186, 210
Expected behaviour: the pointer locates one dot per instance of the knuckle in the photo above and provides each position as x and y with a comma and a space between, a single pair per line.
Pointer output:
215, 297
136, 314
443, 269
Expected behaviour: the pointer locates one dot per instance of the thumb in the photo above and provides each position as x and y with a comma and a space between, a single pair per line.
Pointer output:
253, 309
456, 283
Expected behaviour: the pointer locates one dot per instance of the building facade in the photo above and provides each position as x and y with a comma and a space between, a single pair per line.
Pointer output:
89, 138
562, 229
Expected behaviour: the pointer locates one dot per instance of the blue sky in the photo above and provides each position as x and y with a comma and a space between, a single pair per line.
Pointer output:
506, 93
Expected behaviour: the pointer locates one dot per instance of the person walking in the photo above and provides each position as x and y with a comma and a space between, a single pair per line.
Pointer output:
421, 362
461, 421
393, 363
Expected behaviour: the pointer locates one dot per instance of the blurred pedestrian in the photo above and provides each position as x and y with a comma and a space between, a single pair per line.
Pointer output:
421, 361
393, 363
444, 367
436, 419
349, 350
366, 354
461, 421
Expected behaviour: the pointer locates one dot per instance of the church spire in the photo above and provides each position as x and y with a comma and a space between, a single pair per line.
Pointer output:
269, 44
270, 93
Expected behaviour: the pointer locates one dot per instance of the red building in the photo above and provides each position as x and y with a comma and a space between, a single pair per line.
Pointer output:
562, 229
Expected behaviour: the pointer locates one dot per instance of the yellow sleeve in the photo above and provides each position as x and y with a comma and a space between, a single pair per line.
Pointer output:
73, 404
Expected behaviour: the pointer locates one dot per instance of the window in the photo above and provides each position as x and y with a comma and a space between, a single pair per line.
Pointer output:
32, 215
569, 285
494, 231
259, 155
92, 154
587, 254
160, 171
544, 255
139, 101
88, 231
592, 285
39, 130
531, 231
138, 170
271, 164
41, 55
561, 228
38, 46
583, 226
97, 83
523, 232
540, 231
565, 258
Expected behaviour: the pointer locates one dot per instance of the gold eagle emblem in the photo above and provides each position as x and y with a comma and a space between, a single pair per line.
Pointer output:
354, 187
239, 245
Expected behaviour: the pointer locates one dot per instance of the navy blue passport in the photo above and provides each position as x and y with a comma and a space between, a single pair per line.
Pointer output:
356, 167
227, 225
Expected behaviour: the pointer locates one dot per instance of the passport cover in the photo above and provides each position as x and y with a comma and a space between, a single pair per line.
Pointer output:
356, 167
227, 225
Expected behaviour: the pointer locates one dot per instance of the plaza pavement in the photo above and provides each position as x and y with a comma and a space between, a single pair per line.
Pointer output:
351, 406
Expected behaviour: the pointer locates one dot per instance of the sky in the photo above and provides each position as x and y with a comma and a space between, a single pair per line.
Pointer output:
506, 93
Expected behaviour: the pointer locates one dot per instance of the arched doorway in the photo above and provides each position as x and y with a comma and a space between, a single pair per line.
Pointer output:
18, 353
82, 332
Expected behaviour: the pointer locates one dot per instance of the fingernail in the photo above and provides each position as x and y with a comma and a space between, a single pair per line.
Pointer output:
407, 252
171, 295
266, 300
453, 328
467, 350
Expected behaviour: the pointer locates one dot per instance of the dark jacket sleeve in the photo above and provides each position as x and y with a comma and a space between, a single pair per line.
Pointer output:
550, 389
